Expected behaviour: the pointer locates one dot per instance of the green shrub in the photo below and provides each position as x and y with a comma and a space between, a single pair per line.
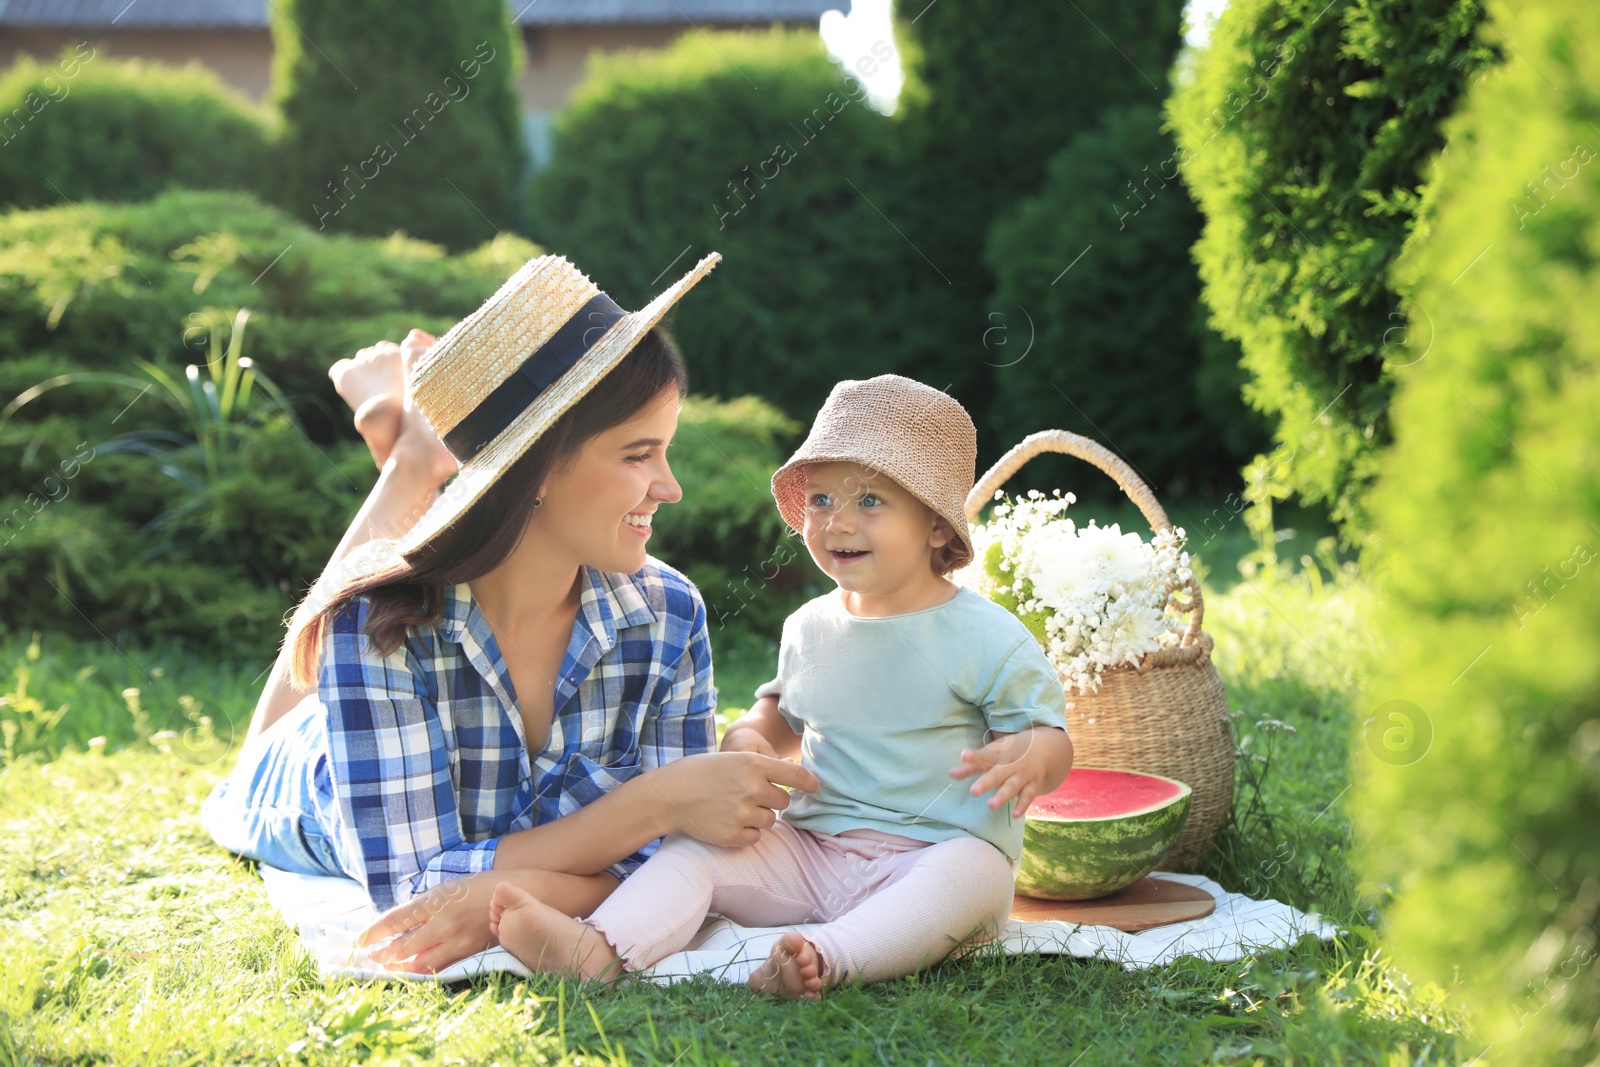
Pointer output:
241, 452
1117, 349
207, 529
87, 286
1303, 134
1479, 796
665, 156
995, 89
84, 127
213, 553
397, 116
84, 290
243, 511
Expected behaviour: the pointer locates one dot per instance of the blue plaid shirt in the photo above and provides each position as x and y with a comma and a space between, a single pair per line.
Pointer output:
427, 757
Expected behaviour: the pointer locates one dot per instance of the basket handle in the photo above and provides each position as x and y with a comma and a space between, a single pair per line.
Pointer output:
1116, 468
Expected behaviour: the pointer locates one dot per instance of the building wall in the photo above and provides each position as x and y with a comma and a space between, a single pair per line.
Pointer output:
557, 56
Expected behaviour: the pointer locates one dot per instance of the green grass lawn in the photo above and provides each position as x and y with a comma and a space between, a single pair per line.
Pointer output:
129, 938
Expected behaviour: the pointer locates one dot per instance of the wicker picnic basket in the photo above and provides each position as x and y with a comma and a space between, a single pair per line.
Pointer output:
1168, 715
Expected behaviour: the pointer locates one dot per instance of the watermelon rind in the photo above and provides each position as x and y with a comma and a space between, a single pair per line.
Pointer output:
1081, 859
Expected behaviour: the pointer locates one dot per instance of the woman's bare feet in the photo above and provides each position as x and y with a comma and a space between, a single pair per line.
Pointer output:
417, 446
373, 384
547, 941
792, 970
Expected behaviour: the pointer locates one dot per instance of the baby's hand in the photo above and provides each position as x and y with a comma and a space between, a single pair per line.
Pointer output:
1022, 765
747, 739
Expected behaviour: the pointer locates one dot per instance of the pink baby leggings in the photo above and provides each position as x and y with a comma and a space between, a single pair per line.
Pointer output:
886, 905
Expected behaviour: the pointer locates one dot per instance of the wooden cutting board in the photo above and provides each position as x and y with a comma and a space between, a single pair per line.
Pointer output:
1148, 903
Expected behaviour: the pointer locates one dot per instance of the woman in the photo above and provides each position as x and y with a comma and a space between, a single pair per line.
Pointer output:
496, 683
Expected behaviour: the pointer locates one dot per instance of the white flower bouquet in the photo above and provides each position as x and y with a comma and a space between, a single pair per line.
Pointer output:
1095, 597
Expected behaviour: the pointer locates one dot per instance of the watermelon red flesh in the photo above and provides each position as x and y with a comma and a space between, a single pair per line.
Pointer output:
1100, 832
1093, 793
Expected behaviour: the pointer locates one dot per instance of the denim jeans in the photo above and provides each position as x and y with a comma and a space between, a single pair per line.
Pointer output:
275, 805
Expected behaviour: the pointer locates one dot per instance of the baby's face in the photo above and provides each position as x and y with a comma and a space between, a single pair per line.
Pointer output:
865, 531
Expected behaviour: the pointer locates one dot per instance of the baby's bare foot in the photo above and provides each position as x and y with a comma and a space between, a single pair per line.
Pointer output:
792, 970
418, 447
373, 384
506, 896
546, 940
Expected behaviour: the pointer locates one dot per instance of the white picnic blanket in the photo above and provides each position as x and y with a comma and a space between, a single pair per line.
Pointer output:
328, 913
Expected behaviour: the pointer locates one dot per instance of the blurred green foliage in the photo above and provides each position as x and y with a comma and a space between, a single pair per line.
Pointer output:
228, 472
663, 156
1304, 131
172, 542
996, 90
155, 485
1117, 348
86, 127
854, 243
87, 286
202, 526
1479, 792
397, 115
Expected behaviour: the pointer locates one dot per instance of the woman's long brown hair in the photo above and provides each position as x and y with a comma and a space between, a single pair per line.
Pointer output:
411, 592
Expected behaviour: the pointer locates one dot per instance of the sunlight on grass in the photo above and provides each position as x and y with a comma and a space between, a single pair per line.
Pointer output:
131, 938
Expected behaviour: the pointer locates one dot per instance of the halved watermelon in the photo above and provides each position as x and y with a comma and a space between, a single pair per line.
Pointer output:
1100, 832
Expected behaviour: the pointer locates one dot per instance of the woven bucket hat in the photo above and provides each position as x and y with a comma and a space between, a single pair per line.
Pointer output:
917, 435
501, 376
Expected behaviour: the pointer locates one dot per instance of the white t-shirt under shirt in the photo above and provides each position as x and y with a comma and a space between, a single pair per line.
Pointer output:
885, 706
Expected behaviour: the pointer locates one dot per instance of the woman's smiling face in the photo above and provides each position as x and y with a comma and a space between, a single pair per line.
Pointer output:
598, 507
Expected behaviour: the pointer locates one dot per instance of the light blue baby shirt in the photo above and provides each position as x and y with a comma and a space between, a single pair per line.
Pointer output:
885, 706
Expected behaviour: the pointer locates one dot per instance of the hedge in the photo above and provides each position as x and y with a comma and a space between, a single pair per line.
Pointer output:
1100, 328
85, 127
114, 544
397, 114
1479, 796
1304, 135
665, 156
86, 286
995, 89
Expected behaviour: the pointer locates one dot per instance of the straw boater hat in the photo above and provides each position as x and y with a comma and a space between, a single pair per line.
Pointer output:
498, 379
916, 434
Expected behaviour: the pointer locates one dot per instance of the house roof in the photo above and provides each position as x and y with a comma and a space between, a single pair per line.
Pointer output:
252, 14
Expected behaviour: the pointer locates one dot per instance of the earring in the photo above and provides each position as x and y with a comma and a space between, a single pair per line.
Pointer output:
538, 501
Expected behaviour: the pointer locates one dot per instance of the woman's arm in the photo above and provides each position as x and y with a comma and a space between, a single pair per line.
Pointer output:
723, 798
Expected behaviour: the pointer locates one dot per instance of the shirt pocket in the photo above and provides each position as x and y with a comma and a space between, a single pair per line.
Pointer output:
612, 717
586, 779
